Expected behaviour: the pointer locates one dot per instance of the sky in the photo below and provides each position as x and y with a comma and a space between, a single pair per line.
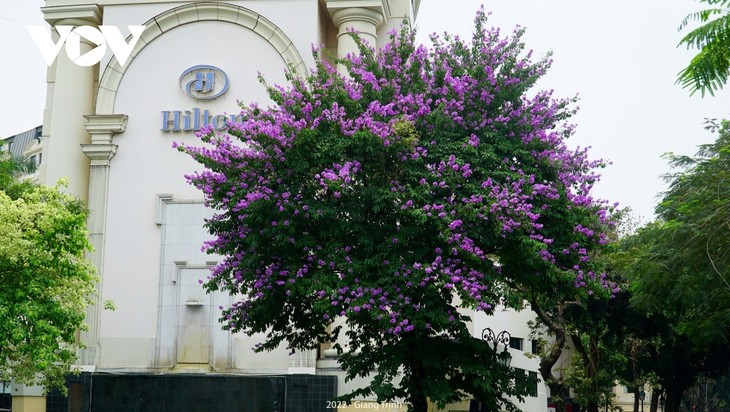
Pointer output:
620, 58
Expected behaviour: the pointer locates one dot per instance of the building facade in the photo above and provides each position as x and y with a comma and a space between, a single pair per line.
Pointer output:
110, 127
26, 145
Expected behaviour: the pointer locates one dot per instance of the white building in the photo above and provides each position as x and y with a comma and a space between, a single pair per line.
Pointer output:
110, 127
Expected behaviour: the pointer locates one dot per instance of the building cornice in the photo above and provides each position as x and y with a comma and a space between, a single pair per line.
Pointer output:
99, 154
106, 123
382, 7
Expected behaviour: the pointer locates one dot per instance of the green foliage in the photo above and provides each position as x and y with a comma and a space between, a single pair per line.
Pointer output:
12, 168
588, 388
46, 281
686, 257
677, 268
709, 394
708, 71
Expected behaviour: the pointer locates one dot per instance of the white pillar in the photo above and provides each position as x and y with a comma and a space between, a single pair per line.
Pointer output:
100, 153
361, 16
73, 97
362, 21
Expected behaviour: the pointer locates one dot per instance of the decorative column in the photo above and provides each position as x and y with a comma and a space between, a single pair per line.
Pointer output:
73, 97
100, 153
362, 17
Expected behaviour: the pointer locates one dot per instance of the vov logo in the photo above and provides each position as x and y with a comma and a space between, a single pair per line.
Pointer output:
199, 82
71, 37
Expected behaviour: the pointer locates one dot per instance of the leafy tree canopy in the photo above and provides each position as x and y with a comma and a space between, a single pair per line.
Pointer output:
369, 209
686, 260
45, 279
678, 267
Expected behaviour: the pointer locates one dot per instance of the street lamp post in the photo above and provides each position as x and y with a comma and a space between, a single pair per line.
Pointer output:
502, 337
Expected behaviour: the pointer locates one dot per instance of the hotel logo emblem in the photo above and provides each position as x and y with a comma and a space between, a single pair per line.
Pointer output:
201, 82
204, 82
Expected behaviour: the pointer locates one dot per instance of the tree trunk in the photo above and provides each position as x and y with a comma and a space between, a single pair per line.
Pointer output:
654, 406
557, 327
673, 398
420, 403
634, 347
418, 399
673, 402
592, 407
591, 364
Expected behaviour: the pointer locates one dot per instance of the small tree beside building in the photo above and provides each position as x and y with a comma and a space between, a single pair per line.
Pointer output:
45, 277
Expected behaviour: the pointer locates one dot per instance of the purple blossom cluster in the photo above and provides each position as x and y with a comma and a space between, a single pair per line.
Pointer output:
422, 180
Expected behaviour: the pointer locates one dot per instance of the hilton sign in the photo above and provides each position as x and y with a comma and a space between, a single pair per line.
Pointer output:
200, 82
193, 120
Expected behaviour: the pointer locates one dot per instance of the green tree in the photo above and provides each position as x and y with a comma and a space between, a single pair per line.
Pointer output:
708, 70
619, 342
587, 326
597, 357
12, 169
46, 280
425, 181
693, 248
666, 321
678, 269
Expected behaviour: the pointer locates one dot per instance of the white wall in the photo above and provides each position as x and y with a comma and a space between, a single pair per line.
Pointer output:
147, 165
516, 323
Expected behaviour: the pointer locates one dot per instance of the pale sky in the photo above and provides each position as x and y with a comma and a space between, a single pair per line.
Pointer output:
620, 57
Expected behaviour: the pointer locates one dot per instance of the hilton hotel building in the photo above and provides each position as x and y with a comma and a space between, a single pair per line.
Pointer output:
109, 129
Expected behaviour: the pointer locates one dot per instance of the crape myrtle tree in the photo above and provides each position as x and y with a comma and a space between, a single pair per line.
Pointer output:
367, 209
